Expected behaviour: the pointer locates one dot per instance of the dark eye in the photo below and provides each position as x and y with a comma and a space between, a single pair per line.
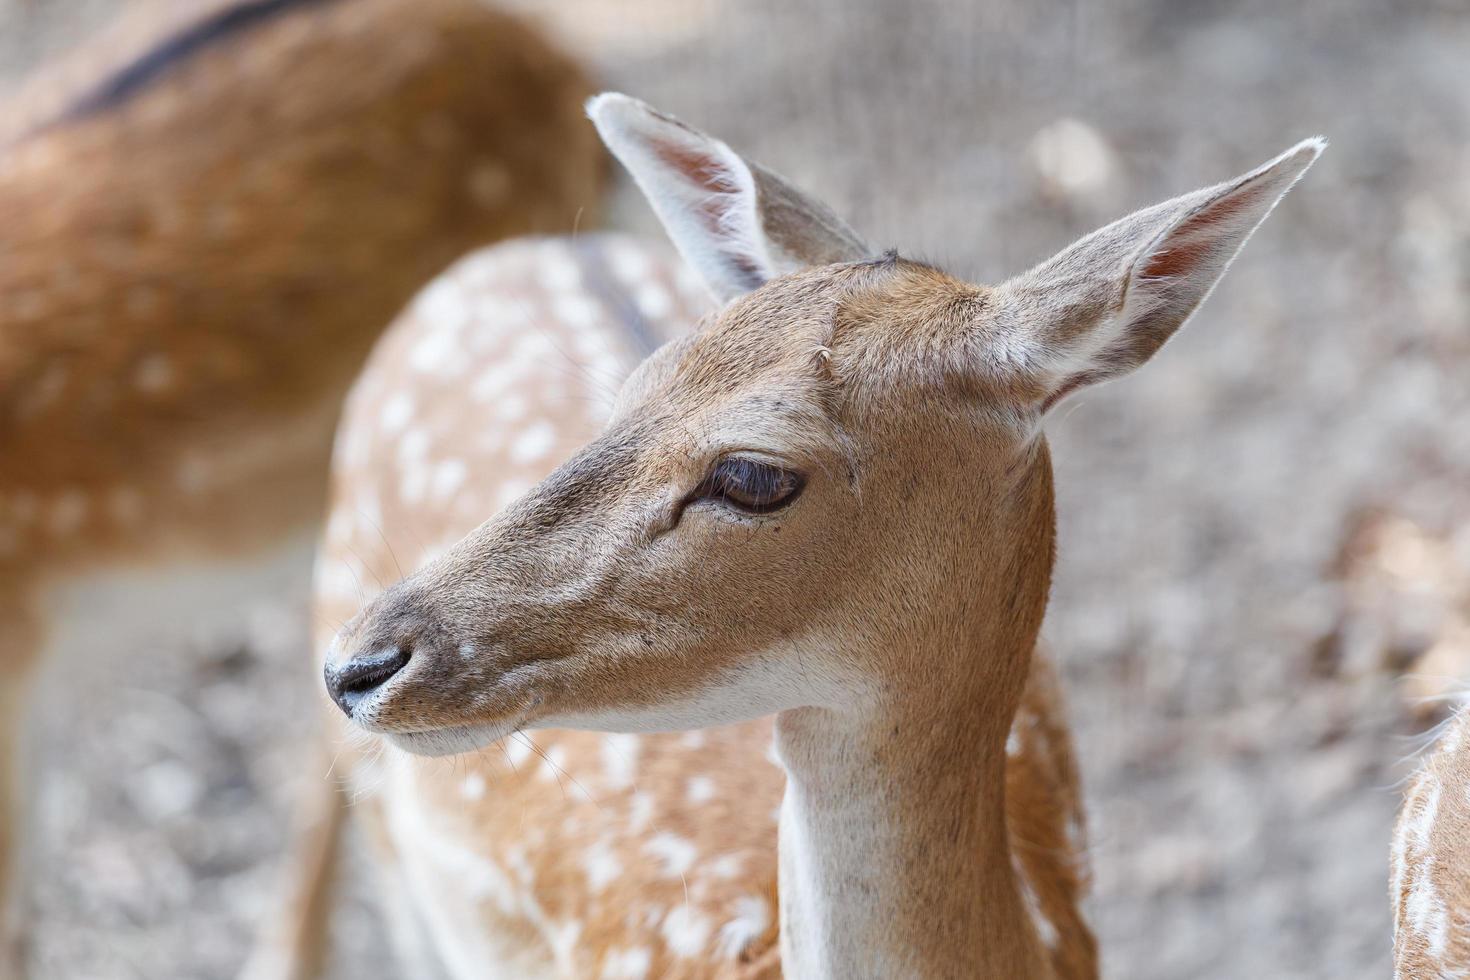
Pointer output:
750, 485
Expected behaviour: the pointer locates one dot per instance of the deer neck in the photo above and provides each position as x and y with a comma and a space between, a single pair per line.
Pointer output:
894, 852
895, 855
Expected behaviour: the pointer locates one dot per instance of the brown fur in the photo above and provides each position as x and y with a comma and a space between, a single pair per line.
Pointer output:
555, 814
189, 278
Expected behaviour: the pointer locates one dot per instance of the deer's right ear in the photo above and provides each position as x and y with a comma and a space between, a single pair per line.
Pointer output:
735, 222
1103, 306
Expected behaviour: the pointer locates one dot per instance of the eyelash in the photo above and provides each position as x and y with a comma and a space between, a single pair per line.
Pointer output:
750, 486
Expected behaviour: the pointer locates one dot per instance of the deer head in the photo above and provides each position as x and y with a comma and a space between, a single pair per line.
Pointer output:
834, 493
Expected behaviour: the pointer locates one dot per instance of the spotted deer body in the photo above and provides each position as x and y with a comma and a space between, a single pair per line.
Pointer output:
1430, 884
828, 504
200, 247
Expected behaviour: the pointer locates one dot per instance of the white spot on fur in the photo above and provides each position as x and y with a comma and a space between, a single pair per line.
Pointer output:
520, 866
726, 867
68, 512
602, 866
467, 651
556, 274
533, 347
620, 759
629, 264
563, 941
511, 408
397, 412
752, 919
676, 853
575, 311
1426, 911
653, 300
589, 344
1045, 930
473, 787
685, 931
553, 764
627, 964
701, 789
534, 443
412, 485
518, 749
640, 811
413, 447
449, 476
494, 381
442, 306
1419, 826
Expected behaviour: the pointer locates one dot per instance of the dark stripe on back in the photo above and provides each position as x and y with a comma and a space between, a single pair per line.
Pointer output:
173, 51
592, 260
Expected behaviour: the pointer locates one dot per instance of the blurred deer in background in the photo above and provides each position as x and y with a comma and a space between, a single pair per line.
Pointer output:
199, 250
831, 503
1430, 888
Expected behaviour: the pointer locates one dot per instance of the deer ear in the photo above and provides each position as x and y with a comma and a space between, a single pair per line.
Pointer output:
735, 222
1104, 305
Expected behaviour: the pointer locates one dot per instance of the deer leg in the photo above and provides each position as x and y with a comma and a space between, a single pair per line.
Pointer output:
18, 662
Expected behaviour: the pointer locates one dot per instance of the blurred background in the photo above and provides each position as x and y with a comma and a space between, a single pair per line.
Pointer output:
1263, 594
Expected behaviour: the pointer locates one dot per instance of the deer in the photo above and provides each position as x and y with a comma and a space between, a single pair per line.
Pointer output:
1430, 870
730, 670
201, 245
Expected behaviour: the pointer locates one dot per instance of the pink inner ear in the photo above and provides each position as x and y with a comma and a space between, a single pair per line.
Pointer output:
705, 169
710, 173
1192, 243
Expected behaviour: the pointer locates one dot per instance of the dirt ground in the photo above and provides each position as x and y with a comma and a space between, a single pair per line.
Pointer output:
1265, 534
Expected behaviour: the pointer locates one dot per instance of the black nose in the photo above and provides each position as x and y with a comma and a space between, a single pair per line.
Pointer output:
348, 683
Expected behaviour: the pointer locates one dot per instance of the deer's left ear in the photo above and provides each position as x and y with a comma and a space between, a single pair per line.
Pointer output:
1103, 306
735, 222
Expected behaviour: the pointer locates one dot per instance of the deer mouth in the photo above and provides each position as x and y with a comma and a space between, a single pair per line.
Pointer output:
452, 740
425, 737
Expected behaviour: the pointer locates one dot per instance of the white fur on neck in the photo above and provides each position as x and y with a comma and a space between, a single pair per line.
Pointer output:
843, 840
822, 931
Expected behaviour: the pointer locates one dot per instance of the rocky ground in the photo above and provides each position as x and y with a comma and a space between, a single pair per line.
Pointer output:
1265, 535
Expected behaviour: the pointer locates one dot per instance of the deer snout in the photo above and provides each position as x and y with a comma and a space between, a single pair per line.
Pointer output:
351, 681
